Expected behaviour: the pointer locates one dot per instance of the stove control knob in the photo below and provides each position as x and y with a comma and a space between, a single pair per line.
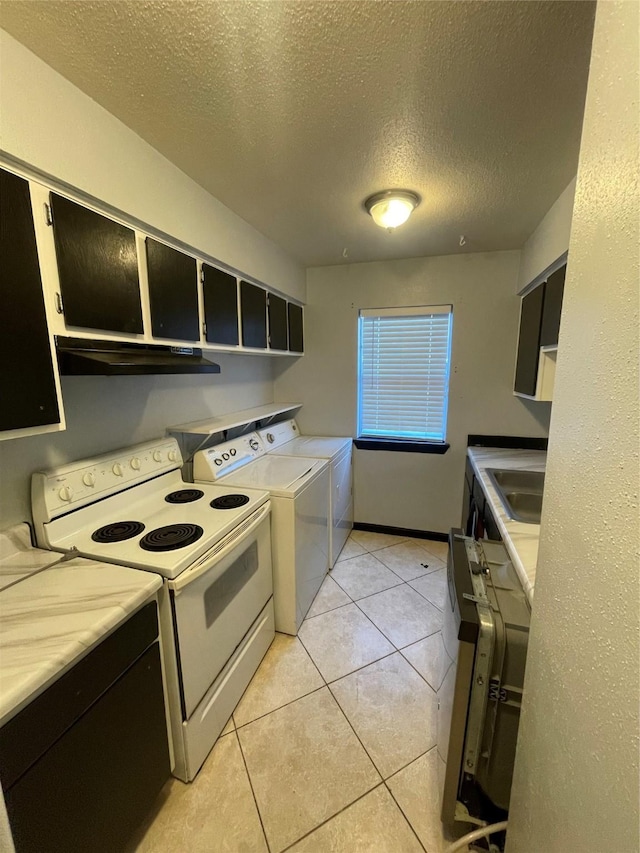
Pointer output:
157, 456
173, 456
135, 463
117, 469
89, 479
218, 461
253, 444
233, 451
65, 493
270, 437
225, 455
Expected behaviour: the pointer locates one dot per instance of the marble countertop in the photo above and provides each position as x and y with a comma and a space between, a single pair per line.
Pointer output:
18, 558
50, 620
520, 539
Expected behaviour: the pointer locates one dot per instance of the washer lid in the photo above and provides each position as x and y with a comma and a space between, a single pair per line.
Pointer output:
321, 447
279, 474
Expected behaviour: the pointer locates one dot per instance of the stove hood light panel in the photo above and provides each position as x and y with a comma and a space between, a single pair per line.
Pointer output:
87, 357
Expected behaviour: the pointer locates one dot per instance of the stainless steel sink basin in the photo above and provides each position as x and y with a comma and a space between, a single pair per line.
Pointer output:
520, 492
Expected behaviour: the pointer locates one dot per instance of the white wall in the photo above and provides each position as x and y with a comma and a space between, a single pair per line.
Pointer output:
413, 490
105, 413
549, 240
576, 777
56, 128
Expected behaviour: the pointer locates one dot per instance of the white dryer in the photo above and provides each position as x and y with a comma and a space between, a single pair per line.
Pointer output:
284, 439
299, 491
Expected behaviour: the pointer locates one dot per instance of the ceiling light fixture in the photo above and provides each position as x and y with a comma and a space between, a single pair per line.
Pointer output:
391, 208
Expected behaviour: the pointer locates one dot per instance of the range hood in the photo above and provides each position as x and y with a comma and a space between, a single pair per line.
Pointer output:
84, 357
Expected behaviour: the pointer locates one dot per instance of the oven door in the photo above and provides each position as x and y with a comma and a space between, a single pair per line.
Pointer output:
216, 601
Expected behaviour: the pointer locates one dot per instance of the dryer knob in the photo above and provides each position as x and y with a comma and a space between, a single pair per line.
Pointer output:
117, 469
157, 456
270, 437
173, 456
135, 463
225, 456
253, 444
218, 461
233, 451
89, 479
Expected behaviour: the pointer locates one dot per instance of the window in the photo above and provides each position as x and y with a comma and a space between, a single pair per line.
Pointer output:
403, 373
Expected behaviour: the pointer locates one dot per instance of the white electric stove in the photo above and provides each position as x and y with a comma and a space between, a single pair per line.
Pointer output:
212, 546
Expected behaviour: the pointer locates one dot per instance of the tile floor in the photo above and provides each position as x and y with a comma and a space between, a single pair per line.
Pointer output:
332, 747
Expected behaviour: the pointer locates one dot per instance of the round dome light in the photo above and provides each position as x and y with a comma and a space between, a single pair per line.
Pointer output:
391, 208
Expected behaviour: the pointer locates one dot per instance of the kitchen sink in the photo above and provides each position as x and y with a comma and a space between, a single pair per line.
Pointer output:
520, 492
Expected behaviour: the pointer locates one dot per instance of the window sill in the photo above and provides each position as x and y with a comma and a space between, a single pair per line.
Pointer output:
403, 446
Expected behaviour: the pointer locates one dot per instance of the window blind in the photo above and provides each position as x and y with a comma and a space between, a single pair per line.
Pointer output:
403, 381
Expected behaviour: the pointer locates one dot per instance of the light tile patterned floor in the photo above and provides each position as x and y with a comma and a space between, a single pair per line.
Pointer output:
332, 747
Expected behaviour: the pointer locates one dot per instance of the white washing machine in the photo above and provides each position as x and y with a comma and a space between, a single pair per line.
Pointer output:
284, 439
299, 491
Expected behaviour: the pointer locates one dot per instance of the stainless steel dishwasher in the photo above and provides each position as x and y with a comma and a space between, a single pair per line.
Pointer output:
485, 634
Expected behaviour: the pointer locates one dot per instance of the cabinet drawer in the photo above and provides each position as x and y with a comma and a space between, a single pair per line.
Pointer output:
529, 342
553, 293
98, 269
97, 783
220, 290
33, 731
277, 308
173, 293
296, 334
27, 383
253, 301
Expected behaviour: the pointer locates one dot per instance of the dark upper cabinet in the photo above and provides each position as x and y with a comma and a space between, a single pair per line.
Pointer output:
296, 338
277, 309
220, 292
173, 292
553, 293
98, 269
27, 383
529, 342
253, 307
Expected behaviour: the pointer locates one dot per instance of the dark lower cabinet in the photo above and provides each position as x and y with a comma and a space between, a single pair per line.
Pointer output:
478, 520
277, 308
296, 336
27, 383
98, 269
466, 497
253, 307
491, 528
220, 291
173, 292
529, 342
83, 764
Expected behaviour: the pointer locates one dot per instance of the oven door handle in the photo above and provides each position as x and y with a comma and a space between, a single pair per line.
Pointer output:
203, 565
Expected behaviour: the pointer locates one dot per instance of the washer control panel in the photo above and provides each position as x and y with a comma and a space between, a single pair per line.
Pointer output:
215, 462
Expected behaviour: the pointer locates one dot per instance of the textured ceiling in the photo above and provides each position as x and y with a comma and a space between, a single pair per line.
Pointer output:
291, 112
